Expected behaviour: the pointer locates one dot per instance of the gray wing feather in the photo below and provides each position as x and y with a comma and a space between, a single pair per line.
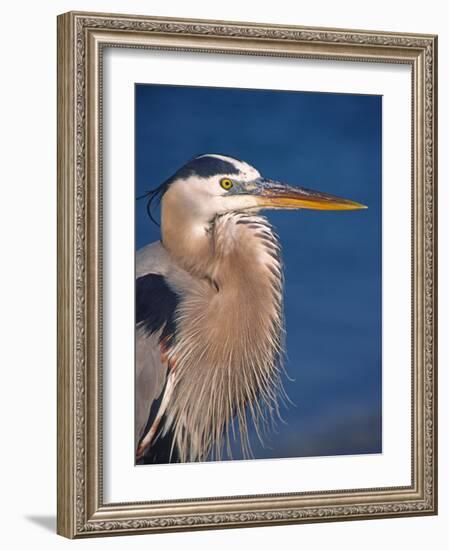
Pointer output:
152, 258
154, 307
151, 373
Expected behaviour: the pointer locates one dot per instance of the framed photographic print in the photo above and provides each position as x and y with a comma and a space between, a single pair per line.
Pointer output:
246, 274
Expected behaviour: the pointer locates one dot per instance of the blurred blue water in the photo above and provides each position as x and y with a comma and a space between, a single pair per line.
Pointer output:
328, 142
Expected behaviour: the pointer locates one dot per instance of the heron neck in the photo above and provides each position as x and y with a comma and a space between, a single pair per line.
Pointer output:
187, 237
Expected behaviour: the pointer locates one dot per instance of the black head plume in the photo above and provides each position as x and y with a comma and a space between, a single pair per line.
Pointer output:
154, 197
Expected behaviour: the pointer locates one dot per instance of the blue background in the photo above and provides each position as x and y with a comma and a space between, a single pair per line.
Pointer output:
328, 142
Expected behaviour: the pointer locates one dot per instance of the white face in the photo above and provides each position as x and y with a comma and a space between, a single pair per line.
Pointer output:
204, 198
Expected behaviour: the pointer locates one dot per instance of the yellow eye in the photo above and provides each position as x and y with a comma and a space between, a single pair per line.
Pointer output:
226, 183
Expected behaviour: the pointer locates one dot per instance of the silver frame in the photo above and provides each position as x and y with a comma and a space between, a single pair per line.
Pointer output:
81, 40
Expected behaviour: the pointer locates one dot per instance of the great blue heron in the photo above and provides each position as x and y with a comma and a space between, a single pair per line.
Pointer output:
209, 309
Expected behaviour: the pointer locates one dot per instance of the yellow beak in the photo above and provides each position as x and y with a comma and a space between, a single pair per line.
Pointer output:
272, 194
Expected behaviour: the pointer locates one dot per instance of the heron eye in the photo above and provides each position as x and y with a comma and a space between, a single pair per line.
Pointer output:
226, 183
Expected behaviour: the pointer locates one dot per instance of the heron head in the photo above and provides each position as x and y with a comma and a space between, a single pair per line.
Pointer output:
211, 185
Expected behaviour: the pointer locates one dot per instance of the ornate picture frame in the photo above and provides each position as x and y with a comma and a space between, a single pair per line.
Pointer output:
82, 39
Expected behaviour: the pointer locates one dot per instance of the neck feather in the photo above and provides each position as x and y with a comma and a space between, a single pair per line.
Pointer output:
229, 341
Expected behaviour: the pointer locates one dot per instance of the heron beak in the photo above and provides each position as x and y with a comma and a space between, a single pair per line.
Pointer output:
273, 194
